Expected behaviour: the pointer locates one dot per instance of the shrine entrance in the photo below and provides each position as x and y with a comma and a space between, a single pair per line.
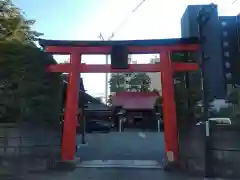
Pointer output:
163, 46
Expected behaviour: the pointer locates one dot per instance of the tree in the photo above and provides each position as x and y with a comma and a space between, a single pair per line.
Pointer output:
155, 59
140, 82
14, 26
187, 90
155, 90
130, 82
27, 91
233, 96
117, 82
109, 100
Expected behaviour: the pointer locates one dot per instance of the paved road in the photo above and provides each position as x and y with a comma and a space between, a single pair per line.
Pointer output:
122, 146
117, 146
111, 174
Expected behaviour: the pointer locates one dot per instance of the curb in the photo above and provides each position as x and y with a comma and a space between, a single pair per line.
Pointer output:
135, 164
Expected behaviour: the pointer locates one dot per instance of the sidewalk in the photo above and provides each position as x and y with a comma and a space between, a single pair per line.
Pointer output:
110, 174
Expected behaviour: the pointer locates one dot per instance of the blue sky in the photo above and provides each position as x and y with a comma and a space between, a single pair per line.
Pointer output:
85, 19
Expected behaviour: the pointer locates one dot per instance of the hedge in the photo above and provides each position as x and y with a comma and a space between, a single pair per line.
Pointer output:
27, 91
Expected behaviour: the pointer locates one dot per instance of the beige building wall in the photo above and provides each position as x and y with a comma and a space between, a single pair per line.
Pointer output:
155, 77
155, 81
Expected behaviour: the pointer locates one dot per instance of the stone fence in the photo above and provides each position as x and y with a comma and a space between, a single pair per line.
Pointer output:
224, 150
29, 146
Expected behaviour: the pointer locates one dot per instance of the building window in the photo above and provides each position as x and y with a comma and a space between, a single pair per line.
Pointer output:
227, 65
225, 44
224, 23
226, 54
228, 76
225, 33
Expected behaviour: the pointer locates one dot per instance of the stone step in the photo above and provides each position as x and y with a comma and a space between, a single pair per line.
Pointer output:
144, 164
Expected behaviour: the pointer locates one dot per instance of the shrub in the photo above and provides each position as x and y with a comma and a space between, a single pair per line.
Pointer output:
27, 91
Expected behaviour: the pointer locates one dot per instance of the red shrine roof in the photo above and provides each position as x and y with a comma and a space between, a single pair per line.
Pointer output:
135, 100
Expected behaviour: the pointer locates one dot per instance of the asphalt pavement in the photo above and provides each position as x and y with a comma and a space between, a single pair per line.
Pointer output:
104, 150
130, 145
111, 174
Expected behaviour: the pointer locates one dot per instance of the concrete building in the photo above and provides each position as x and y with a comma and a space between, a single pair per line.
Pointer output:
155, 77
221, 61
230, 28
211, 45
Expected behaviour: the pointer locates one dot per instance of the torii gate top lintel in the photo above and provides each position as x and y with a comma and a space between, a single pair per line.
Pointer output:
134, 46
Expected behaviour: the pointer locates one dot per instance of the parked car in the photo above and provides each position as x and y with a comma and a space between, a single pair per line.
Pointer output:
218, 121
97, 126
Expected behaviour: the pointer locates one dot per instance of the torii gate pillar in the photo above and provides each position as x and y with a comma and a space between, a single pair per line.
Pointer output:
71, 108
169, 106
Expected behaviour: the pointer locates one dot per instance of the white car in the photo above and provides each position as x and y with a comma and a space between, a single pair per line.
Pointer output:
221, 121
218, 121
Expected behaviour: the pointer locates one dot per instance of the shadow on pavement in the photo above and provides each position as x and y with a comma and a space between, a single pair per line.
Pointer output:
111, 174
122, 146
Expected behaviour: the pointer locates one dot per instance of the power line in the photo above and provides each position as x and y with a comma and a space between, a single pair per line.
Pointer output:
130, 14
113, 34
136, 8
126, 18
234, 1
227, 6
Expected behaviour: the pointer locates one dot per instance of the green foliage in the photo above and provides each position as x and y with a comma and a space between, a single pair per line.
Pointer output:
187, 94
14, 26
158, 101
116, 82
233, 96
27, 91
225, 112
187, 89
140, 82
109, 100
183, 56
155, 90
137, 82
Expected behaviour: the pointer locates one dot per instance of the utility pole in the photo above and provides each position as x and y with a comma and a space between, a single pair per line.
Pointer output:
202, 18
111, 37
106, 62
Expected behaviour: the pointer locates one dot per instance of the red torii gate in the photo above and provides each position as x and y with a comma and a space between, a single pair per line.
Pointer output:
166, 67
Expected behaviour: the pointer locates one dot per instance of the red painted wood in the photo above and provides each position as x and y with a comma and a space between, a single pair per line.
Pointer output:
165, 66
132, 68
132, 49
103, 68
60, 68
71, 110
169, 108
176, 67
